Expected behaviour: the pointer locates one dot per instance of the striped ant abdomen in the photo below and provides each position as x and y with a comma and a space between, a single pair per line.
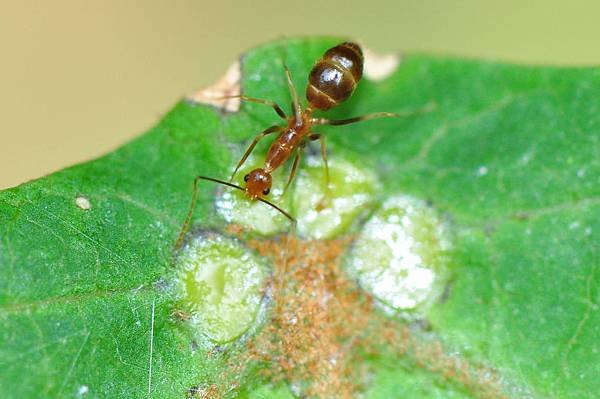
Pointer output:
334, 76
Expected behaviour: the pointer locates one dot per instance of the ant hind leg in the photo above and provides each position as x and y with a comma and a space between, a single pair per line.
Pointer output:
338, 122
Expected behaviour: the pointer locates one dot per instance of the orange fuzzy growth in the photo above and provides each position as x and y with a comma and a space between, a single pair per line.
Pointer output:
323, 326
310, 339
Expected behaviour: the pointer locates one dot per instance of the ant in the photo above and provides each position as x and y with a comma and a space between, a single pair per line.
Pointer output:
331, 81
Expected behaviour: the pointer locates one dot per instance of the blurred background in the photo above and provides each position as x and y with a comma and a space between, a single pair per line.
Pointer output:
79, 78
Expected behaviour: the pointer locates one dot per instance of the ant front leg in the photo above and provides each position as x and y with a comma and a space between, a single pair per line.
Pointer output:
294, 167
324, 202
272, 129
188, 218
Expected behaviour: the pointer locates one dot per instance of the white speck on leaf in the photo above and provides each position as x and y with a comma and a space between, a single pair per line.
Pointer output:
527, 157
482, 170
83, 389
83, 203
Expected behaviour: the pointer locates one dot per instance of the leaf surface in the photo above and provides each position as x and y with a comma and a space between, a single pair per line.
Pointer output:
510, 156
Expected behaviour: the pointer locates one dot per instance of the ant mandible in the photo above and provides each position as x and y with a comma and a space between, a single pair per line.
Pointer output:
331, 81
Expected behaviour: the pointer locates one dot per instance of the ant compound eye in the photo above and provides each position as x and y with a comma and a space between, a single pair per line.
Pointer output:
267, 191
246, 177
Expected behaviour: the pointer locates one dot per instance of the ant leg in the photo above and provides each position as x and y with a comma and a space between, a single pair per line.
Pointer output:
327, 196
337, 122
272, 129
188, 218
294, 167
270, 103
294, 94
321, 138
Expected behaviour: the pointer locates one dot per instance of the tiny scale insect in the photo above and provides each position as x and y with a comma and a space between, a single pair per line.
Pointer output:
331, 81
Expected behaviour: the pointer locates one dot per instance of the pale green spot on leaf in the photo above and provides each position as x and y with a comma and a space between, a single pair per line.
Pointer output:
326, 213
221, 283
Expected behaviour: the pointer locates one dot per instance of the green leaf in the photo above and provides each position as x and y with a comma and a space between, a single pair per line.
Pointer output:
510, 157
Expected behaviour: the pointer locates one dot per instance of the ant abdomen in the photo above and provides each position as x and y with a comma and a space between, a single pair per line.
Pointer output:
334, 76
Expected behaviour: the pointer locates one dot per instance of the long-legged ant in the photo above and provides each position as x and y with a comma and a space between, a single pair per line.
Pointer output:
331, 81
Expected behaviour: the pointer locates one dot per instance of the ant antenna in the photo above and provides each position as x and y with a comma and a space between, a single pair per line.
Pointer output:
188, 218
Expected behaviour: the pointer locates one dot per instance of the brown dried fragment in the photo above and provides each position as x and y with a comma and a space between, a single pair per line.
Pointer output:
227, 85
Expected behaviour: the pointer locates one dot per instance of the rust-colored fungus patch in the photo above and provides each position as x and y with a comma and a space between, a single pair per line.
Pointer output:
315, 326
323, 329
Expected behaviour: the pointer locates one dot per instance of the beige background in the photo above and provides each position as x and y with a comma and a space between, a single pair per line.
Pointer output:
78, 78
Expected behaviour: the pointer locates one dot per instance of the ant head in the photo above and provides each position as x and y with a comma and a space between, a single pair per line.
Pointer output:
258, 183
